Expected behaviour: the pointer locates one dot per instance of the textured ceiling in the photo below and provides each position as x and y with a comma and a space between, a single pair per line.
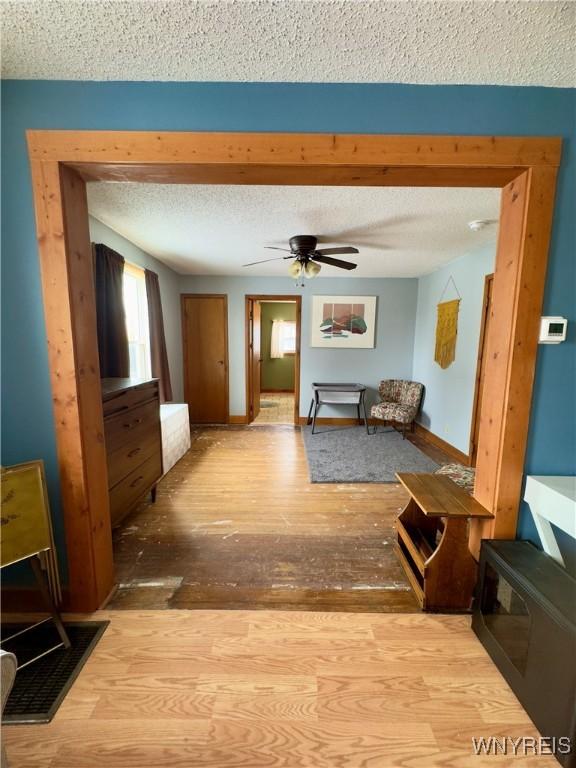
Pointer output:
203, 229
379, 41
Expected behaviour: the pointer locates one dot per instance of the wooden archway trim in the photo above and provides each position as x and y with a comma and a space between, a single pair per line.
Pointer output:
62, 161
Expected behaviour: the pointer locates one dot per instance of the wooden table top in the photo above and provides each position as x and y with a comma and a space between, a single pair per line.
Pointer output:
338, 387
438, 496
113, 386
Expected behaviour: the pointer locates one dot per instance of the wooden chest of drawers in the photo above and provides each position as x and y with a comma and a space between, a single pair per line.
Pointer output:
133, 442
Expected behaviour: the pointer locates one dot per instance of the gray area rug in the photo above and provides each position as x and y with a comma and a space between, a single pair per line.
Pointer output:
349, 455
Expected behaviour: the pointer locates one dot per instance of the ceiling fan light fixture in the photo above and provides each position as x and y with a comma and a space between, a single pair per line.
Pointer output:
311, 269
308, 259
295, 269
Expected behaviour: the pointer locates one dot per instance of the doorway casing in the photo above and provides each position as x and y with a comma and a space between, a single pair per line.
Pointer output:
63, 161
249, 300
480, 369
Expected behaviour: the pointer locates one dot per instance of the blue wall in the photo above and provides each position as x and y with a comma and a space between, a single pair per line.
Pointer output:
449, 392
394, 343
27, 428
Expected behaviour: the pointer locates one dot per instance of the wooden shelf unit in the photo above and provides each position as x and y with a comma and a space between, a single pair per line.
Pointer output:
432, 543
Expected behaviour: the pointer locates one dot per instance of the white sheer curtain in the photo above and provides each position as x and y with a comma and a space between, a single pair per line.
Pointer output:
276, 341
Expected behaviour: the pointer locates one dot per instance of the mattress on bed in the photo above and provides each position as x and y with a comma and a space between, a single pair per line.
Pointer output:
175, 426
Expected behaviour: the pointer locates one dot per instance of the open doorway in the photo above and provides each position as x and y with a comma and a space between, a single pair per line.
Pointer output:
273, 359
62, 162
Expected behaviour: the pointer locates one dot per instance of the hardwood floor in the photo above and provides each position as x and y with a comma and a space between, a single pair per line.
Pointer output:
237, 524
293, 689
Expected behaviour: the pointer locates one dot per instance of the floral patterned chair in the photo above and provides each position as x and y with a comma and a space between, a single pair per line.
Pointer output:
459, 474
400, 402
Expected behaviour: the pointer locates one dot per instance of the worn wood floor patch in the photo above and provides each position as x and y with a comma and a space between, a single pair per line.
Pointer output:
237, 524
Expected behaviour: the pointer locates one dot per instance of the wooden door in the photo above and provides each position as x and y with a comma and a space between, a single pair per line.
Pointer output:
255, 357
205, 340
481, 368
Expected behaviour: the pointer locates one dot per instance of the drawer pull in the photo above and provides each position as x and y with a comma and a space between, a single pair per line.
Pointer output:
135, 452
135, 482
132, 423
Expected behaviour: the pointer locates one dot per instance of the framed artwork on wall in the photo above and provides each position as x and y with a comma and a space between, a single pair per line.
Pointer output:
343, 322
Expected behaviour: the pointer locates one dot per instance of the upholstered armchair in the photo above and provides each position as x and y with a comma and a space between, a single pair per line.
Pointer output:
400, 402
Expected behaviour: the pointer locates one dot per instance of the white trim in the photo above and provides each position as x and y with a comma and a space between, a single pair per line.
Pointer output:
552, 501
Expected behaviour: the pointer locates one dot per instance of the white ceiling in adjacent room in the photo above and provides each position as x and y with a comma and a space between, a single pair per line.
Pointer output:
511, 42
215, 229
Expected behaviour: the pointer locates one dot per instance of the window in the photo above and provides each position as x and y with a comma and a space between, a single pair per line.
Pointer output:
136, 309
283, 341
288, 338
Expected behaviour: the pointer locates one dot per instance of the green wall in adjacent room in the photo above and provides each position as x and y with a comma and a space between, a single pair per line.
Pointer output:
278, 373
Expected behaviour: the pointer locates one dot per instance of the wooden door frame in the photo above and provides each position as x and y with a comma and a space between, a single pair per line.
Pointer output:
183, 297
295, 299
63, 161
475, 423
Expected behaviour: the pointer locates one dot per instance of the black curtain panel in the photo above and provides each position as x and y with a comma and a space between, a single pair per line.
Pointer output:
110, 316
158, 354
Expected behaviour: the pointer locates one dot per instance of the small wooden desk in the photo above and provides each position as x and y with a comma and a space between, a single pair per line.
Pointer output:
432, 541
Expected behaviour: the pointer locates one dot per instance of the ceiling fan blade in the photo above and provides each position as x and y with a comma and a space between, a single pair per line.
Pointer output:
274, 248
277, 258
334, 262
334, 251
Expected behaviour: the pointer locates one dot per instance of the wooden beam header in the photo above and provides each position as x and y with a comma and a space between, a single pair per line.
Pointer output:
292, 149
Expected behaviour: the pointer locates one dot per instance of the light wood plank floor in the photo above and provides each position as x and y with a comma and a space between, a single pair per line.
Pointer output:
294, 689
237, 524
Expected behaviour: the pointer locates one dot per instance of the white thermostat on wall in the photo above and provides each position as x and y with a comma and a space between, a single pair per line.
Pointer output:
552, 330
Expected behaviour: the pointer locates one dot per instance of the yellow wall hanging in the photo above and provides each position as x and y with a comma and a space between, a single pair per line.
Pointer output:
447, 328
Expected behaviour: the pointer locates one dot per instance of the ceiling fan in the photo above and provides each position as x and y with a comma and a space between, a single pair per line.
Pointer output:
307, 259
